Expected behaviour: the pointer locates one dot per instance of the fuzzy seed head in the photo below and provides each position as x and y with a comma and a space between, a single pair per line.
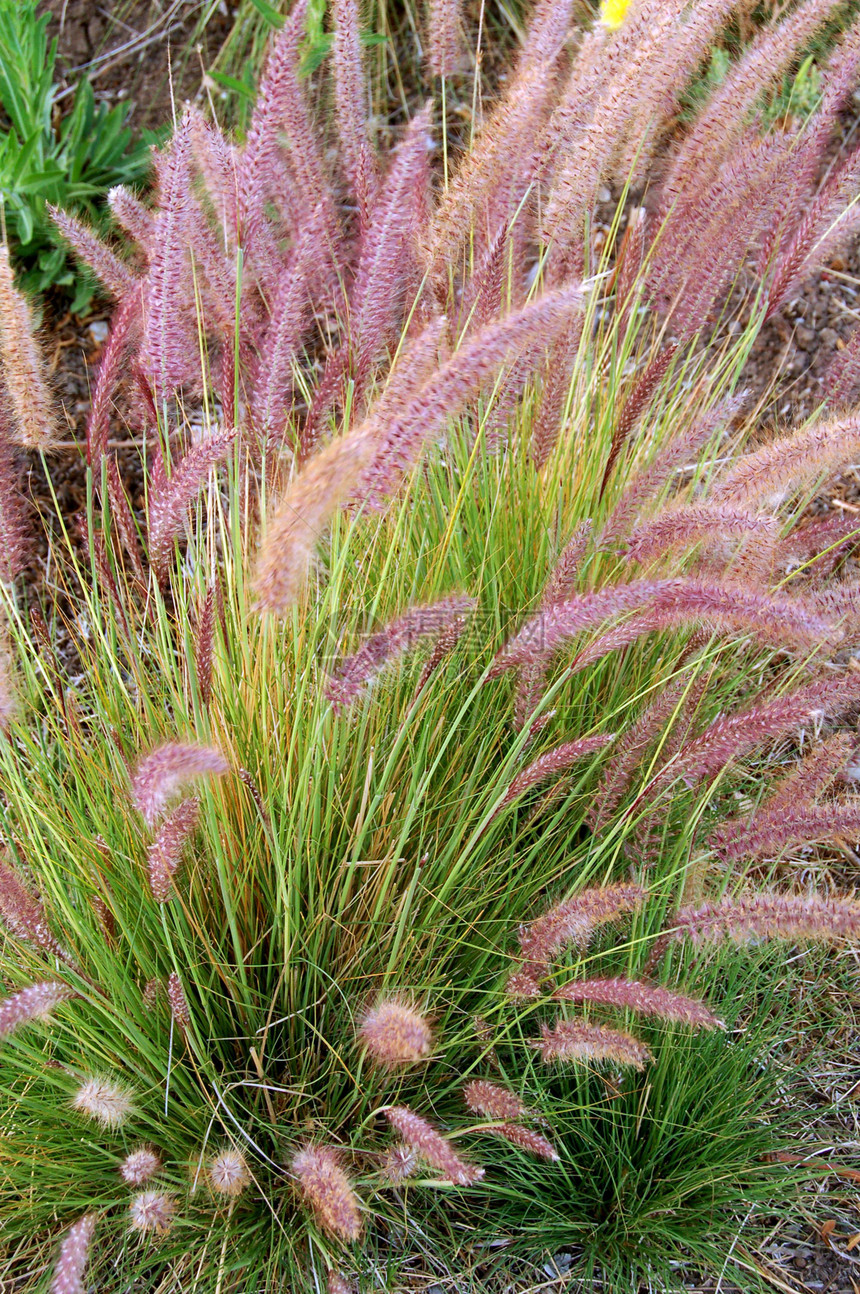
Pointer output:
139, 1166
395, 1034
152, 1211
420, 1135
327, 1191
577, 1040
336, 1283
399, 1163
107, 1103
162, 772
527, 1140
178, 1001
72, 1260
228, 1172
33, 1003
494, 1101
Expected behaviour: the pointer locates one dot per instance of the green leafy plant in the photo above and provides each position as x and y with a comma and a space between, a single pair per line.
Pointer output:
69, 158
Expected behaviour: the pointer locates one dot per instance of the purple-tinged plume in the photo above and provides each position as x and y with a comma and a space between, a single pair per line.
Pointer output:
731, 736
646, 999
308, 506
161, 774
72, 1261
576, 1040
574, 920
29, 399
554, 761
36, 1002
170, 497
443, 36
483, 1097
136, 219
328, 1192
170, 351
752, 917
420, 1135
526, 1139
679, 602
523, 984
645, 487
470, 369
398, 637
22, 914
399, 1163
15, 530
636, 404
788, 461
105, 264
395, 1034
682, 526
123, 519
125, 327
178, 1002
768, 832
815, 773
336, 1283
350, 96
380, 293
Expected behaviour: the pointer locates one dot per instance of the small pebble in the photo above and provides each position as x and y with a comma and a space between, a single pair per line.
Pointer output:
98, 330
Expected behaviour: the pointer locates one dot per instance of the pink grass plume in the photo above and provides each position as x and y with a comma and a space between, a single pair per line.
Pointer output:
577, 1040
484, 1097
752, 917
395, 1034
436, 1150
228, 1173
165, 852
170, 497
152, 1211
557, 760
534, 1143
36, 1002
23, 914
573, 920
160, 775
30, 402
139, 1166
74, 1254
328, 1192
105, 1102
645, 999
399, 636
112, 272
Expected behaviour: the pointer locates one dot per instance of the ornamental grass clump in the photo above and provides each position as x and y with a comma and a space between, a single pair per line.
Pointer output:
460, 603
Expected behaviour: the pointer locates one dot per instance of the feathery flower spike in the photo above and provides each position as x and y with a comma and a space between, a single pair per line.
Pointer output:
22, 914
29, 399
170, 497
769, 916
337, 1283
165, 852
399, 636
553, 761
426, 1141
36, 1002
574, 920
160, 774
526, 1139
178, 1001
72, 1261
443, 37
105, 1102
139, 1166
284, 560
576, 1040
395, 1034
647, 999
399, 1163
483, 1097
327, 1191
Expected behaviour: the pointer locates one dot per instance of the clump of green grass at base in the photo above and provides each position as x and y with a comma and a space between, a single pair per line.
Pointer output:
376, 867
